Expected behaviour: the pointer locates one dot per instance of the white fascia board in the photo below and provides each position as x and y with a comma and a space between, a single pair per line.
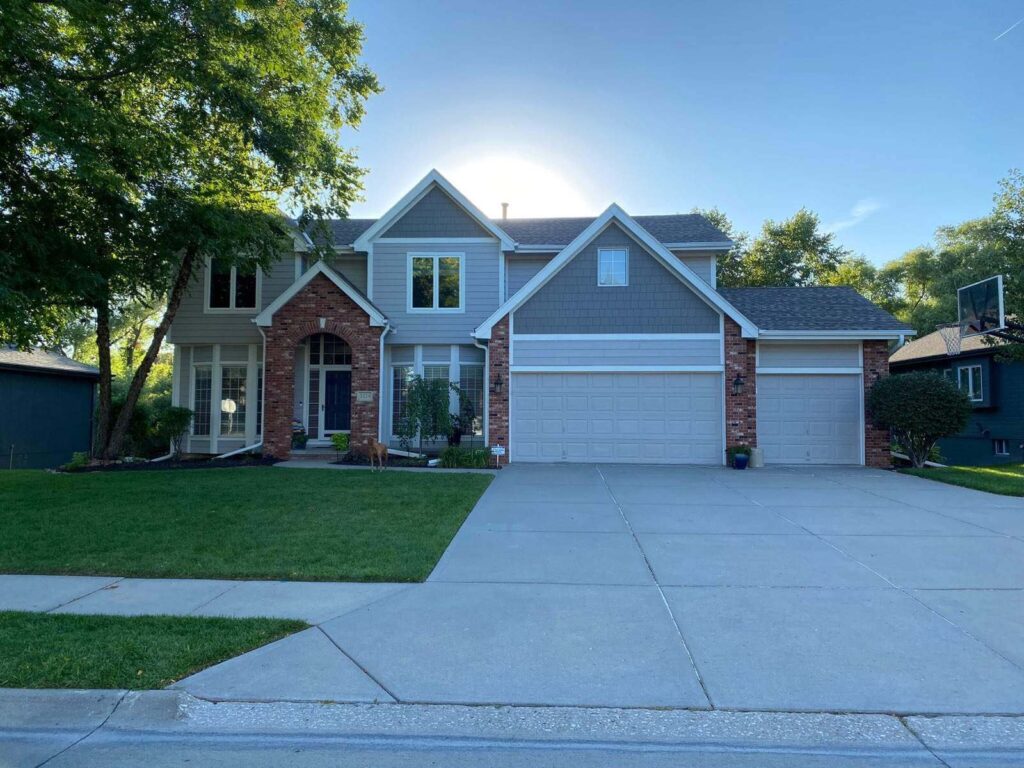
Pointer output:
618, 337
668, 259
825, 335
266, 317
414, 195
616, 368
717, 245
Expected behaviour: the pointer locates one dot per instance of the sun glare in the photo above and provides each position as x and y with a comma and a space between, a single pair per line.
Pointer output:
529, 188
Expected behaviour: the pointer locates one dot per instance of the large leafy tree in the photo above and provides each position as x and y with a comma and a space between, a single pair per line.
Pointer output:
793, 252
138, 139
730, 263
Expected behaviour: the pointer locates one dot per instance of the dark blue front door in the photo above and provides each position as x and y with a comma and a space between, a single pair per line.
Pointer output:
337, 400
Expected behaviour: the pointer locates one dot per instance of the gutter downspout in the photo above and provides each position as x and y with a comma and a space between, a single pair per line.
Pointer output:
380, 388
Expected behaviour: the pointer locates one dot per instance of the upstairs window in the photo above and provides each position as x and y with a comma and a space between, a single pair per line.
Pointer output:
435, 281
612, 267
231, 287
1001, 447
969, 381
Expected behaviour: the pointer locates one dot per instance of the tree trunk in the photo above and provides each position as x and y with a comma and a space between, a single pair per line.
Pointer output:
103, 410
181, 283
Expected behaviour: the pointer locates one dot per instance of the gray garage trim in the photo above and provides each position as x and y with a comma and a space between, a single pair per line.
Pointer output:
672, 352
808, 355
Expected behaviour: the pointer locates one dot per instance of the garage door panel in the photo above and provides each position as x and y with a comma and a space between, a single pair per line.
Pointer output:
809, 418
665, 417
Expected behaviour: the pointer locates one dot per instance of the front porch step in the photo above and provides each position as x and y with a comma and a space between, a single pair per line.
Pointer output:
314, 454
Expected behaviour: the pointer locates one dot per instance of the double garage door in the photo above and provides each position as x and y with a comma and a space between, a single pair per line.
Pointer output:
809, 418
617, 417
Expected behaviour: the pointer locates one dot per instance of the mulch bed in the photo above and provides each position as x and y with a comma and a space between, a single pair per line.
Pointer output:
233, 461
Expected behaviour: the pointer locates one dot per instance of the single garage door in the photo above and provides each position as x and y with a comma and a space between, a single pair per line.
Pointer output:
617, 417
809, 418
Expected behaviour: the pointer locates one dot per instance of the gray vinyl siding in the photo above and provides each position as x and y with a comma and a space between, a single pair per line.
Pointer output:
704, 263
193, 325
808, 355
351, 266
655, 301
651, 352
521, 269
390, 292
436, 215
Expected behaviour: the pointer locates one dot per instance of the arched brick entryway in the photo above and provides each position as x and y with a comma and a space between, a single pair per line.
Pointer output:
320, 307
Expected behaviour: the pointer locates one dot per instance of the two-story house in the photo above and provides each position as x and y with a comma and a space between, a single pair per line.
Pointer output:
576, 339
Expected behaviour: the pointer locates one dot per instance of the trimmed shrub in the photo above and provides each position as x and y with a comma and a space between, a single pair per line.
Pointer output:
918, 408
473, 458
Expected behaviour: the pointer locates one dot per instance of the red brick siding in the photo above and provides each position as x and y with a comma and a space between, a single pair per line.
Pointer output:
298, 319
497, 405
876, 441
741, 409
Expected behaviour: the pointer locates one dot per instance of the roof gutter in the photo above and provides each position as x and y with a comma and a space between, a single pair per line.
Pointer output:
895, 333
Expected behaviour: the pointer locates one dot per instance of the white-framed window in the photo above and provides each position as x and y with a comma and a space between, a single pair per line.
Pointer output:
471, 382
202, 391
612, 267
436, 282
400, 377
1001, 447
969, 381
232, 400
230, 288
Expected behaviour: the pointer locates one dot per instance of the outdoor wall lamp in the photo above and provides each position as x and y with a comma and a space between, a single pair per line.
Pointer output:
737, 385
499, 383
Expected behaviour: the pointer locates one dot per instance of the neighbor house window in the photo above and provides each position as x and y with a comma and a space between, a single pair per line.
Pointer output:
231, 287
612, 267
435, 281
969, 381
471, 382
1000, 447
201, 391
232, 400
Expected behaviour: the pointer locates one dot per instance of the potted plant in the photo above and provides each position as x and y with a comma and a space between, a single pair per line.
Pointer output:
299, 436
738, 456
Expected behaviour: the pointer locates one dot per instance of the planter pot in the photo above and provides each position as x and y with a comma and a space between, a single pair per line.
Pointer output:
739, 461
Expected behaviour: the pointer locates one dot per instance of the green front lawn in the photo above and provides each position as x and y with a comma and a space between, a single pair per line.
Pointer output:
45, 650
249, 523
1007, 479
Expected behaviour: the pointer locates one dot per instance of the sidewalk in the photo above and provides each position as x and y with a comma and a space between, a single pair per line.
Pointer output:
158, 728
310, 601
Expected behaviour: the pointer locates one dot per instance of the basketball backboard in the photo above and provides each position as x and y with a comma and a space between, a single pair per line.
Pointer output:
980, 307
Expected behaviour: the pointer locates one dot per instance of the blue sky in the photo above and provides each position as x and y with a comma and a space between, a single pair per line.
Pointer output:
887, 119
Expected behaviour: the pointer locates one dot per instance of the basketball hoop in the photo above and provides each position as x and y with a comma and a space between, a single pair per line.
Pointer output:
952, 335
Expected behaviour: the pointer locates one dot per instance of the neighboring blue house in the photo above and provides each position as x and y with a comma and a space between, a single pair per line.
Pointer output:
995, 434
47, 408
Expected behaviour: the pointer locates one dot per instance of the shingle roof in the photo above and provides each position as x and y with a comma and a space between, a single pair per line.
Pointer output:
45, 362
811, 309
674, 228
932, 345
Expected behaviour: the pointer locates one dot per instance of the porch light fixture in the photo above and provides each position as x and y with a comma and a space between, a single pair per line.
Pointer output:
737, 385
499, 384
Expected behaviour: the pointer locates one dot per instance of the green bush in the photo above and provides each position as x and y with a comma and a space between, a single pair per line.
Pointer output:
340, 442
171, 426
79, 459
918, 408
473, 458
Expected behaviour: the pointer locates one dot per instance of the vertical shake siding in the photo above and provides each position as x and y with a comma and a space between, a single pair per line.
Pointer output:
390, 292
655, 301
704, 263
807, 355
520, 269
436, 215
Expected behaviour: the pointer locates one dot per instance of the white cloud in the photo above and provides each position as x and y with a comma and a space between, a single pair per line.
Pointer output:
860, 211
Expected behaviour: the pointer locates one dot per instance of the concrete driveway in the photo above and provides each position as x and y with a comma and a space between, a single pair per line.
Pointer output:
834, 590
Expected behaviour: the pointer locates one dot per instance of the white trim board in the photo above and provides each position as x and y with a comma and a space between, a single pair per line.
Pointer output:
266, 317
615, 214
414, 195
616, 369
853, 371
846, 335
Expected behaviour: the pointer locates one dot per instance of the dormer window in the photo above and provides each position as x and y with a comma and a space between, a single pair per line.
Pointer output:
612, 267
230, 288
435, 282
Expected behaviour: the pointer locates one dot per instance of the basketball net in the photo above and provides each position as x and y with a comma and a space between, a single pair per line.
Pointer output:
952, 336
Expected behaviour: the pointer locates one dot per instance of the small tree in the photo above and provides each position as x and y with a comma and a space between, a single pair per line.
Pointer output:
172, 425
426, 411
918, 408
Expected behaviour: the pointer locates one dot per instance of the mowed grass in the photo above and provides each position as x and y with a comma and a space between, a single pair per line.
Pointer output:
248, 523
41, 650
1006, 479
